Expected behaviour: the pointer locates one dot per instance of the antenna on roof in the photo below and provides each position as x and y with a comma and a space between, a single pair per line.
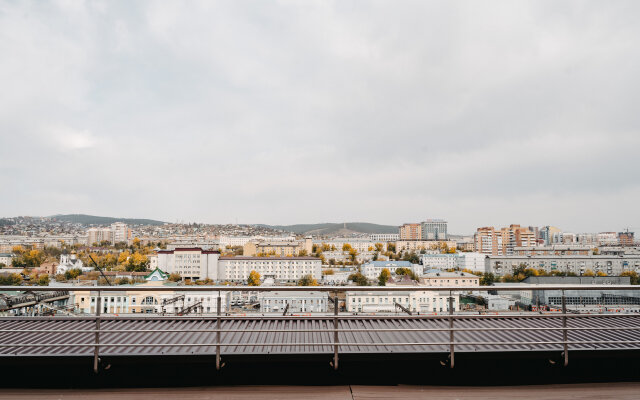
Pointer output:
99, 269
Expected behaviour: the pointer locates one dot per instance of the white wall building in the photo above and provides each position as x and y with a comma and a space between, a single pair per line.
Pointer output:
472, 262
436, 277
612, 265
190, 263
373, 269
69, 262
440, 261
415, 300
384, 237
298, 301
286, 269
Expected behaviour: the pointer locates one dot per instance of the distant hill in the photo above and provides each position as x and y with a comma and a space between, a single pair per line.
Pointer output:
94, 220
332, 229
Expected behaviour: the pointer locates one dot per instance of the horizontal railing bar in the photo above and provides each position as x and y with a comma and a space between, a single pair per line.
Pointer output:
315, 344
198, 288
131, 317
559, 328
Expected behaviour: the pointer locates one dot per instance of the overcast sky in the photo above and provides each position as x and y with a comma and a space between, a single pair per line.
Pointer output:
482, 113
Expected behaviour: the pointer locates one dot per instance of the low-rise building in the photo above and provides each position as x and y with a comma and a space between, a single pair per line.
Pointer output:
372, 270
145, 301
436, 277
384, 237
576, 264
414, 300
6, 258
298, 301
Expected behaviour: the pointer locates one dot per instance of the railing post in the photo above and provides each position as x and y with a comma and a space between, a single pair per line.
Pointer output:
564, 330
96, 350
451, 345
219, 311
335, 332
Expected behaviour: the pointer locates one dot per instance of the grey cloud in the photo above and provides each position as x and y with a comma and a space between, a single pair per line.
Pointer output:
289, 112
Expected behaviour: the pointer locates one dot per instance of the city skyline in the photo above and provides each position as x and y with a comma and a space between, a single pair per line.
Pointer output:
284, 113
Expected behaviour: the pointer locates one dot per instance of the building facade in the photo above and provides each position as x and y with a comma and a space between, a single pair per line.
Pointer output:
575, 264
414, 300
384, 237
434, 229
411, 232
297, 302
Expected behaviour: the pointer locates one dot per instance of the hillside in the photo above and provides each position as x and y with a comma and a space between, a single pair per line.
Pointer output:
335, 228
94, 220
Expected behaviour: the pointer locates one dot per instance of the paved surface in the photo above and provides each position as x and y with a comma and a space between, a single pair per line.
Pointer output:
574, 391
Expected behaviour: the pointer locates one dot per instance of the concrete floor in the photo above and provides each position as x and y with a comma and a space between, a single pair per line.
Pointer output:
346, 392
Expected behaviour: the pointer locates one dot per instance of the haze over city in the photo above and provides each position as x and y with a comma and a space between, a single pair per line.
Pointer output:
287, 112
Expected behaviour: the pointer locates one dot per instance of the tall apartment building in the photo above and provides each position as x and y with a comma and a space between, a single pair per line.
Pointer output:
411, 232
547, 233
625, 238
97, 235
121, 232
117, 232
434, 229
502, 242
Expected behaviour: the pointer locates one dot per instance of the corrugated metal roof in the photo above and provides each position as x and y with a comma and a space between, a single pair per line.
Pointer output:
361, 329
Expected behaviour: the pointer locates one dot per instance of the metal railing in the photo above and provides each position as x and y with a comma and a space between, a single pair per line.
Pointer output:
334, 330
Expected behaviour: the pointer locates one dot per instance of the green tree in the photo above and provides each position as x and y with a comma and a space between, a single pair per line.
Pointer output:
633, 276
43, 280
10, 279
72, 273
412, 257
359, 279
328, 272
487, 279
254, 278
385, 274
307, 280
391, 247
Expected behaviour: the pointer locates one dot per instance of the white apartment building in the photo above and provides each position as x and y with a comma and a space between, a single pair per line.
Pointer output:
190, 263
204, 244
607, 238
121, 232
235, 241
472, 262
440, 261
415, 300
436, 277
343, 256
6, 258
298, 302
97, 235
358, 244
384, 237
612, 265
197, 264
286, 269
